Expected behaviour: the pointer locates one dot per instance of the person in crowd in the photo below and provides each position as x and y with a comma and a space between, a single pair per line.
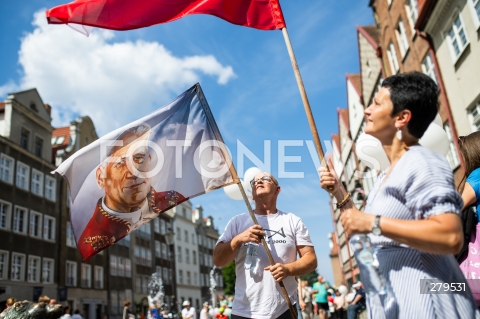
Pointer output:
204, 314
52, 302
127, 313
9, 303
340, 305
330, 299
358, 302
412, 212
220, 314
77, 315
305, 300
66, 311
470, 149
188, 312
257, 291
44, 299
320, 290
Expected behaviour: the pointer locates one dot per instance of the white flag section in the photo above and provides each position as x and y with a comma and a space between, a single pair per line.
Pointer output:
131, 175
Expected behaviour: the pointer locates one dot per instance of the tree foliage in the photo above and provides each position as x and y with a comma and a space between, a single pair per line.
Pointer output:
229, 278
311, 277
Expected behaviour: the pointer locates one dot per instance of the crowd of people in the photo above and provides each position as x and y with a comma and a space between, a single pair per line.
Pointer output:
45, 307
326, 301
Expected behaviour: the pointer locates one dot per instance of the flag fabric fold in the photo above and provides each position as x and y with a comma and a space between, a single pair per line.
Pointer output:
134, 14
131, 175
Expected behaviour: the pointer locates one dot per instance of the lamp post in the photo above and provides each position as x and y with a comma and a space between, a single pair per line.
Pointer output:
170, 240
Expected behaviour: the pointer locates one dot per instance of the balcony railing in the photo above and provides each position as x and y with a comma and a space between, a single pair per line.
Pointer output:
98, 284
71, 281
85, 283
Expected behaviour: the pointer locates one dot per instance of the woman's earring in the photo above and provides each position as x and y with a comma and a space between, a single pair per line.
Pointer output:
399, 134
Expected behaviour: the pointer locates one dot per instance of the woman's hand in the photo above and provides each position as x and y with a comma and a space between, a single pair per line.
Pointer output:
356, 222
329, 179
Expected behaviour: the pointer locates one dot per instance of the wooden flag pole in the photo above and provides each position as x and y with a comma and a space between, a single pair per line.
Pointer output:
234, 174
306, 104
267, 250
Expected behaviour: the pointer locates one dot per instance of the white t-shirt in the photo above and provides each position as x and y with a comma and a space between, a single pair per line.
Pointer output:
186, 312
258, 295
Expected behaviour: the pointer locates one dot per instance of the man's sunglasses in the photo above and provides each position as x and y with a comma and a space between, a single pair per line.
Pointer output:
263, 179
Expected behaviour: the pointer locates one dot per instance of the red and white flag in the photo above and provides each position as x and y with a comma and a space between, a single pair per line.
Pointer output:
131, 175
134, 14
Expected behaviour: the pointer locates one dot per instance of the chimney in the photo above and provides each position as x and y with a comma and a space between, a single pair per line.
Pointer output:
49, 109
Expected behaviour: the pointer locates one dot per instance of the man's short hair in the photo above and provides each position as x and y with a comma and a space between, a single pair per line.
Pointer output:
126, 303
44, 299
416, 92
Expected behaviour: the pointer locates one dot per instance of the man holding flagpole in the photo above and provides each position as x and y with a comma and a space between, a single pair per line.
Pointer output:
257, 294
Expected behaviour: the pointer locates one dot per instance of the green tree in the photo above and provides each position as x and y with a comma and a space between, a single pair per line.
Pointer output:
311, 277
229, 278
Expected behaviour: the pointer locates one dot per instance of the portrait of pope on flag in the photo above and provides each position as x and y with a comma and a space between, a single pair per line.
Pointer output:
130, 201
131, 175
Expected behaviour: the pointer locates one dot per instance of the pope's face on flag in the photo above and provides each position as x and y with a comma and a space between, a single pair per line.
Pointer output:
120, 175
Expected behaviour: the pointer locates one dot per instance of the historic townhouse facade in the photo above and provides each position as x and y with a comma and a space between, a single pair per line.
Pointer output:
29, 199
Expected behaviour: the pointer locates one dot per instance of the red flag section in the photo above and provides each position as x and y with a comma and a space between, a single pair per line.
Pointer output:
134, 14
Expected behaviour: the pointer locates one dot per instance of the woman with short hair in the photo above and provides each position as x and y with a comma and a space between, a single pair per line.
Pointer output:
412, 212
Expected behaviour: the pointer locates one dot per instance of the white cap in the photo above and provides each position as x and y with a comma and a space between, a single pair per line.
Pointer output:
186, 303
357, 284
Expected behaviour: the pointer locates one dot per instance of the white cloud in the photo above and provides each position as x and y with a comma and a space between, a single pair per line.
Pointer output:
112, 82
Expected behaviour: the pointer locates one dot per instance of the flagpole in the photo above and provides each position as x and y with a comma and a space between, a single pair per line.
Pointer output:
233, 172
306, 104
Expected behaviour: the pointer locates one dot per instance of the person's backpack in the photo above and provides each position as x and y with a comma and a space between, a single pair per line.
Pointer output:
469, 224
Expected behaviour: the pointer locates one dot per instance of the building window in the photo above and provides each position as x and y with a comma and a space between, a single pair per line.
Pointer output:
188, 278
49, 228
186, 236
452, 156
179, 253
23, 176
18, 267
202, 280
37, 182
24, 137
38, 146
166, 278
6, 168
402, 38
193, 238
47, 271
474, 116
70, 236
113, 302
180, 276
156, 225
50, 188
162, 227
113, 265
121, 266
194, 257
33, 273
475, 6
392, 58
187, 256
5, 213
145, 284
149, 257
3, 264
429, 68
86, 273
164, 251
121, 299
138, 284
179, 234
98, 277
158, 250
457, 37
35, 224
128, 268
71, 274
20, 220
195, 279
411, 7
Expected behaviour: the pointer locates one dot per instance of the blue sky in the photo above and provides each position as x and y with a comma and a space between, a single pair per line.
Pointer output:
246, 75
